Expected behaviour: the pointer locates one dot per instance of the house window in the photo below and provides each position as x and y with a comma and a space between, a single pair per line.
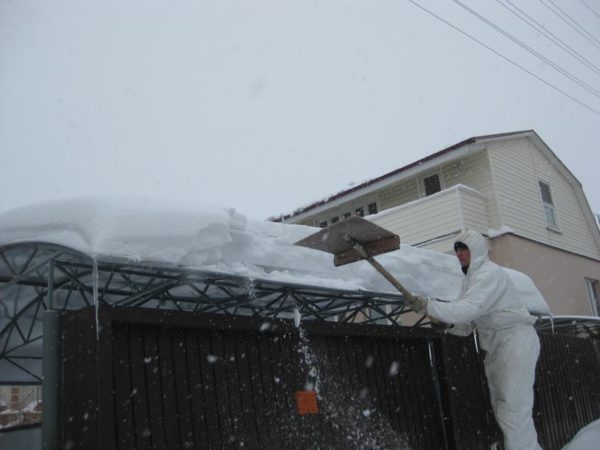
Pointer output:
335, 219
323, 224
432, 184
592, 288
548, 203
346, 215
360, 211
372, 208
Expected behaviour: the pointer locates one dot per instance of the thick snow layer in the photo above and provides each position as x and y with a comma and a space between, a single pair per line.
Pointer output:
586, 439
220, 239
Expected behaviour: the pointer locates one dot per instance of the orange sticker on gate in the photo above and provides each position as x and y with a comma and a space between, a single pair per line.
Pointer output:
306, 402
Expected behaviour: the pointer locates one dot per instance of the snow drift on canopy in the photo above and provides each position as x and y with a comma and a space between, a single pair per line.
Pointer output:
219, 239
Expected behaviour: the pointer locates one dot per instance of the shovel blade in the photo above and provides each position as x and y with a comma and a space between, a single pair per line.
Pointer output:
374, 239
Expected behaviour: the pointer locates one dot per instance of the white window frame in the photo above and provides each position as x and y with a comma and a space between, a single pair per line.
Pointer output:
422, 190
349, 211
365, 208
593, 295
550, 206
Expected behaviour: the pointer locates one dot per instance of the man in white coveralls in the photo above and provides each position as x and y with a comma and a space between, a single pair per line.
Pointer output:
489, 303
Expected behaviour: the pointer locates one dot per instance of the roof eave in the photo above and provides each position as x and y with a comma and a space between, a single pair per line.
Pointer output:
463, 149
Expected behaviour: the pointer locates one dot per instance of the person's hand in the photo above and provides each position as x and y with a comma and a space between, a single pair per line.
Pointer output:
438, 326
419, 304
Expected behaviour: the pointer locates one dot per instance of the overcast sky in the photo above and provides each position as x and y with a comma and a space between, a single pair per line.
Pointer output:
268, 105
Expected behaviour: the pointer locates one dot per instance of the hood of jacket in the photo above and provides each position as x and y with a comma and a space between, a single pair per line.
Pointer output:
477, 247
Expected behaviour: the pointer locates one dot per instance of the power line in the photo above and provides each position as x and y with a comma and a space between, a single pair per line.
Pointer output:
582, 31
575, 22
595, 111
549, 35
538, 55
590, 8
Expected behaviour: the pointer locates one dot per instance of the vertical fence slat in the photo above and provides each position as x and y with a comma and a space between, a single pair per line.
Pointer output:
272, 399
154, 388
140, 392
169, 394
182, 388
251, 401
198, 401
219, 362
123, 404
79, 395
248, 386
207, 360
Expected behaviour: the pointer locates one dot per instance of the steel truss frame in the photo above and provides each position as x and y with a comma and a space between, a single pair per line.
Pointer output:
36, 277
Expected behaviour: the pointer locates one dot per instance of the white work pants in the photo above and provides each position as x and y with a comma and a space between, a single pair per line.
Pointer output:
510, 371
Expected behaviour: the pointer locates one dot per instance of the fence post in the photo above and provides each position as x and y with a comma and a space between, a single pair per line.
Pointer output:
51, 381
51, 385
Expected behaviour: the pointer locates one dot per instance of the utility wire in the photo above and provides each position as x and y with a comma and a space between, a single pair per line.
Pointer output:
549, 35
577, 24
579, 30
595, 111
590, 8
538, 55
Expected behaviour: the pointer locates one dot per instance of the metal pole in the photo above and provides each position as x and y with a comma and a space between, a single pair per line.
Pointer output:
51, 285
51, 371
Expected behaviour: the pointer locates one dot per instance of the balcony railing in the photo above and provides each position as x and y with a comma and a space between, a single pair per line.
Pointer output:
433, 221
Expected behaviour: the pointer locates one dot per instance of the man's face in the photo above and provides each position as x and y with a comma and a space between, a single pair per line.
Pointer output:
464, 256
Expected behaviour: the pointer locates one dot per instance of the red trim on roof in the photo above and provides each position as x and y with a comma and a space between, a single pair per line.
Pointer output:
340, 194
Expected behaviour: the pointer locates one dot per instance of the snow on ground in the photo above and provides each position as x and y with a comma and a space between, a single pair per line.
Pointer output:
587, 438
220, 239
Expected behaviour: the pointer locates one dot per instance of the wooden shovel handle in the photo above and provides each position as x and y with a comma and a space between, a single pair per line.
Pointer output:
388, 276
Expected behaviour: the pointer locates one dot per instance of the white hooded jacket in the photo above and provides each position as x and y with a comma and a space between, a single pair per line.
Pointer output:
487, 301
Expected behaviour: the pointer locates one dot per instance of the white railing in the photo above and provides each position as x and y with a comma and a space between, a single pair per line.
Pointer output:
437, 218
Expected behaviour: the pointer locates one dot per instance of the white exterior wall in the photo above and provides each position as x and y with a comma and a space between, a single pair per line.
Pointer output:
474, 209
475, 172
517, 166
398, 193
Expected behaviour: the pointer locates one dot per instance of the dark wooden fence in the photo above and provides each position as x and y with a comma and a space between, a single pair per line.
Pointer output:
567, 388
148, 379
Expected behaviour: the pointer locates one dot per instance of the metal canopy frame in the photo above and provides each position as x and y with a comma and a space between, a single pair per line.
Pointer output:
38, 277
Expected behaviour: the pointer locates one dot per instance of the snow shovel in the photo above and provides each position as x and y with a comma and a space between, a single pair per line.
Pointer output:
355, 239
